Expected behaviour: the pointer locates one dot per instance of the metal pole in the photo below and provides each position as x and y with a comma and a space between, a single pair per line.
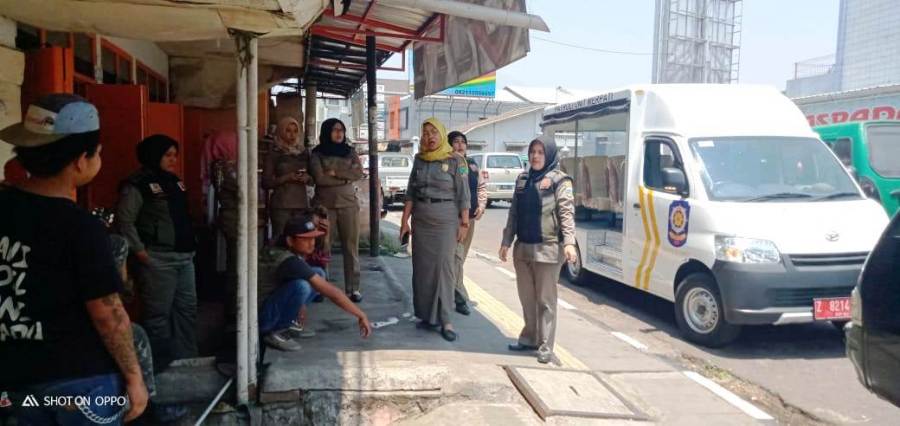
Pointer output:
310, 114
450, 119
371, 86
215, 401
242, 243
577, 171
253, 210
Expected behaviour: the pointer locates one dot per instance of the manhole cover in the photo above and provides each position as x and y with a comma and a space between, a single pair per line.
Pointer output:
573, 393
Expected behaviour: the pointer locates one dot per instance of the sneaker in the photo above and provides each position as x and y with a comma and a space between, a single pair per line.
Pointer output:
281, 340
356, 297
297, 330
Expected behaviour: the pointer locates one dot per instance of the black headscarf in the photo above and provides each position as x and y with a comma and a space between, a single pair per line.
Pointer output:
326, 146
455, 134
151, 150
551, 161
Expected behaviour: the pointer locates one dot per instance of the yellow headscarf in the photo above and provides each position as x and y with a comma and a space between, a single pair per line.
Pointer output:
443, 151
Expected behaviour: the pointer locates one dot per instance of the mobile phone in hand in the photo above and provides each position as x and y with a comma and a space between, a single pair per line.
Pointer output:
404, 239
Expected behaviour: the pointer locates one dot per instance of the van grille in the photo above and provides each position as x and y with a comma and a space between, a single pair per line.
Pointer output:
840, 259
792, 297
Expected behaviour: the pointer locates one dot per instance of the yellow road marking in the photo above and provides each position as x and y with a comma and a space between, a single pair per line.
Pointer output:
510, 323
646, 249
656, 240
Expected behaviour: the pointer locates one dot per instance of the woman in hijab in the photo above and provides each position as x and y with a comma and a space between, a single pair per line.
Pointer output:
477, 204
285, 174
153, 217
438, 201
335, 168
542, 222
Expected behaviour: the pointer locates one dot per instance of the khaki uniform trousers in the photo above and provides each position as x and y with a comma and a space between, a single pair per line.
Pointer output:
344, 224
461, 296
536, 282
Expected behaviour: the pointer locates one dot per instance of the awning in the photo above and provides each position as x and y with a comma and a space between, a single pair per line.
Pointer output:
168, 20
194, 33
336, 60
337, 54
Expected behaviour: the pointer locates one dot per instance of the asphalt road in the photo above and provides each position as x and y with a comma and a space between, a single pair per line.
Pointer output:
800, 366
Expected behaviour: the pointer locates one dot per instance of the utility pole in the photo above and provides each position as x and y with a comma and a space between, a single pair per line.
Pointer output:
371, 87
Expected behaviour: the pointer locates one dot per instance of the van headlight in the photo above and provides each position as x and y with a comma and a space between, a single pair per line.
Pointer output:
746, 250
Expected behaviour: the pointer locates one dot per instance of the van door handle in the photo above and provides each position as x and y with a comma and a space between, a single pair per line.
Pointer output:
636, 205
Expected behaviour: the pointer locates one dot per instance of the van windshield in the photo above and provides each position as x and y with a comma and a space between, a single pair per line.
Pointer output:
760, 169
884, 149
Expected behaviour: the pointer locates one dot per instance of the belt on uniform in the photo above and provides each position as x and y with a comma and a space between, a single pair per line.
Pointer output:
433, 200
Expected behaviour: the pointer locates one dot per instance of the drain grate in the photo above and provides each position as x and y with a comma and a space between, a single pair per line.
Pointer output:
571, 393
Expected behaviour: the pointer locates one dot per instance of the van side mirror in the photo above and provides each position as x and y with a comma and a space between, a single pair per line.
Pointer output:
674, 180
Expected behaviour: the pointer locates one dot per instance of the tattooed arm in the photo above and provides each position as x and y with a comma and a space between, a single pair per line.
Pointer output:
112, 323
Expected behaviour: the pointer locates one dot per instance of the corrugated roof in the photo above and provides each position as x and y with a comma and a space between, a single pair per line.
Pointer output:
503, 117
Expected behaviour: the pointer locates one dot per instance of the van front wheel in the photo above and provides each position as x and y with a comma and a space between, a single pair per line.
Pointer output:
574, 272
700, 313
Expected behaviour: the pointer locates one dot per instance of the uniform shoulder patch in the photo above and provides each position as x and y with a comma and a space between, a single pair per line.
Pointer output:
557, 176
565, 188
462, 166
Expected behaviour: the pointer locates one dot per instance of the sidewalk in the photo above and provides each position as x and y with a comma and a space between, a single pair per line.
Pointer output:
404, 375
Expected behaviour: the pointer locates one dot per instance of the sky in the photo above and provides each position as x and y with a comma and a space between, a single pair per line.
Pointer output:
775, 35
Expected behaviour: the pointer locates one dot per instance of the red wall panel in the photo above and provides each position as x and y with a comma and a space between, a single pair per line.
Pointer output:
168, 119
123, 123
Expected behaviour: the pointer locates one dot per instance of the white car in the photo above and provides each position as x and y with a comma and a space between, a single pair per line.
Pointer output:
499, 170
394, 169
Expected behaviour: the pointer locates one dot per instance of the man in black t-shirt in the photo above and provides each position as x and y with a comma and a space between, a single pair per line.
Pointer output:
297, 285
63, 330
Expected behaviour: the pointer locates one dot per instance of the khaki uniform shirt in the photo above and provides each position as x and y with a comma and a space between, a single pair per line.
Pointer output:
338, 191
289, 195
442, 180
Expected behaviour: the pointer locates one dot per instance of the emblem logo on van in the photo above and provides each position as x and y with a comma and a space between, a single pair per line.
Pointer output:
832, 236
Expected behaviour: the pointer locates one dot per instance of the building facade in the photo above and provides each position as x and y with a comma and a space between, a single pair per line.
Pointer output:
867, 53
511, 131
388, 91
456, 113
96, 60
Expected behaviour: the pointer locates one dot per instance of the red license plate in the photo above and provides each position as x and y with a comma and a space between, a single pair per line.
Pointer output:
835, 308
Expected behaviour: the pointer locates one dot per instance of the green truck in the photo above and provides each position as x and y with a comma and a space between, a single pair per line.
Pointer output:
871, 151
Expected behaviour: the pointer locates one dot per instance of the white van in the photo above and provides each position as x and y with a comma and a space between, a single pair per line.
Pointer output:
716, 197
